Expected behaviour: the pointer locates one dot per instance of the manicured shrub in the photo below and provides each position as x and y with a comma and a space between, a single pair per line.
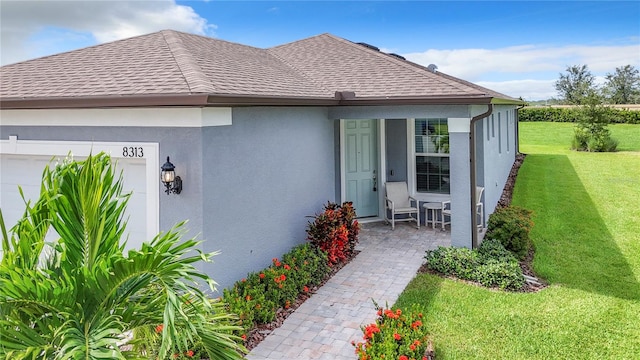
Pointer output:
257, 298
459, 262
491, 265
511, 226
395, 335
506, 275
335, 231
572, 114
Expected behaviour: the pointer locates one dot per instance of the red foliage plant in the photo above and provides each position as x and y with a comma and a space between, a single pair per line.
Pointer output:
335, 231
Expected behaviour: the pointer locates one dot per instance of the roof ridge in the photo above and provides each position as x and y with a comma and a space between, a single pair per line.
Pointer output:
196, 80
298, 71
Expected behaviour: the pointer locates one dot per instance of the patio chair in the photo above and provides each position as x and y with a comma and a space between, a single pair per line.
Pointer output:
446, 209
399, 202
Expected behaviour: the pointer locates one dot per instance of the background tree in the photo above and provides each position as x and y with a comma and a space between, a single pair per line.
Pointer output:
623, 86
574, 86
591, 132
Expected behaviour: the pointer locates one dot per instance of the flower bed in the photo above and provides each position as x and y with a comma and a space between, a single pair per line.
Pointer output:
395, 335
265, 298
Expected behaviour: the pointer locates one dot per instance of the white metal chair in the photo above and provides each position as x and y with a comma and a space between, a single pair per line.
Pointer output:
398, 201
446, 209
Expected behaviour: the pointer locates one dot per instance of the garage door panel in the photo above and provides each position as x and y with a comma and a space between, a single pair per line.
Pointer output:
26, 171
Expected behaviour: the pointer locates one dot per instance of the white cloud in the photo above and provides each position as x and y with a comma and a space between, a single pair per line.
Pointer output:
22, 21
528, 89
535, 65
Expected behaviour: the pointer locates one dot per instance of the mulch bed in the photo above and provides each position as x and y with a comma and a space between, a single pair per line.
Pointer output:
257, 334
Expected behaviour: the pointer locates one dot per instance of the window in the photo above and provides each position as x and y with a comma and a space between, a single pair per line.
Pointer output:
493, 126
499, 135
431, 140
508, 131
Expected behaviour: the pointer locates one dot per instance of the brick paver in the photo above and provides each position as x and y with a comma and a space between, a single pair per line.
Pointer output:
324, 325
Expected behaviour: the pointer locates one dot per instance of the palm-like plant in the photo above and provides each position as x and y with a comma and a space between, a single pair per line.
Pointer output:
79, 297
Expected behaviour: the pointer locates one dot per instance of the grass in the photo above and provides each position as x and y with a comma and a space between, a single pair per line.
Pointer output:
587, 216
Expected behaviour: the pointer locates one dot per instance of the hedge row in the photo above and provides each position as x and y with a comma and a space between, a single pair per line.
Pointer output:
552, 114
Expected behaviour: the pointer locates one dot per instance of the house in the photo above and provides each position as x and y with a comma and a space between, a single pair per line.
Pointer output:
261, 138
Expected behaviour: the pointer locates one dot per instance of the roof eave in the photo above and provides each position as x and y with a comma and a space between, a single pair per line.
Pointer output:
202, 100
104, 101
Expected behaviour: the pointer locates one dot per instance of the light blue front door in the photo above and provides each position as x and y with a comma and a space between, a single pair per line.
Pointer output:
361, 166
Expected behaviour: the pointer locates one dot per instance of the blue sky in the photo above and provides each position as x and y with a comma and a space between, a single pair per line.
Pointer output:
516, 47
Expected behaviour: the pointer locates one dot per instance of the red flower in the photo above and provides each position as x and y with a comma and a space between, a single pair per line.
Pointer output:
189, 353
244, 337
159, 328
397, 336
261, 275
305, 288
403, 357
283, 277
244, 280
287, 267
416, 324
248, 298
412, 347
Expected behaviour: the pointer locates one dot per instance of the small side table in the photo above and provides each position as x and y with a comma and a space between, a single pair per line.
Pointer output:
433, 208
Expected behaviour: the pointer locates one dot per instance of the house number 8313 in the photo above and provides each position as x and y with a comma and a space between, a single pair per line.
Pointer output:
133, 151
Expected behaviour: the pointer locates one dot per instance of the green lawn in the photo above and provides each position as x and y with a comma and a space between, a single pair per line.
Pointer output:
587, 237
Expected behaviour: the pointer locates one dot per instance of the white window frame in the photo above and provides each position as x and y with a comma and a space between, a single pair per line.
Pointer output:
411, 164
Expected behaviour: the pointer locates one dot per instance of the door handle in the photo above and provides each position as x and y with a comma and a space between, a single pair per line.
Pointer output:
375, 181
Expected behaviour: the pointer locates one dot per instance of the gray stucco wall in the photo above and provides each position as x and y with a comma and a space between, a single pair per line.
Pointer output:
498, 147
263, 175
183, 145
399, 112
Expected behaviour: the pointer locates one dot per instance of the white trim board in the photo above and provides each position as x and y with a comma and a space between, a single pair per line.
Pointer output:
119, 117
151, 155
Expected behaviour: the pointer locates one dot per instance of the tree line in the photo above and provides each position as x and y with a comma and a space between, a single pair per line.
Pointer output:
576, 86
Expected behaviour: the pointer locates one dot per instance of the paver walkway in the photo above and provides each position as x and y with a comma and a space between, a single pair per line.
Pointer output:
324, 325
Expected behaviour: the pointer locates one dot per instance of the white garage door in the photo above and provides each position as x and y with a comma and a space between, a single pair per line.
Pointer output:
22, 164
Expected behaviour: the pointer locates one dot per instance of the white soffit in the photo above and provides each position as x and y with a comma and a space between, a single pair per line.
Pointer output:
118, 117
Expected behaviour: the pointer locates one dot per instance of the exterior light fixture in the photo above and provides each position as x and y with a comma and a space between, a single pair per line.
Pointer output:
168, 177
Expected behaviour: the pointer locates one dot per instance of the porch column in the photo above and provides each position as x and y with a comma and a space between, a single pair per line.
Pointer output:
459, 129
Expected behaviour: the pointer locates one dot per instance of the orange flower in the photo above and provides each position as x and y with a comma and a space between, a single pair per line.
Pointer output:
305, 288
287, 304
189, 353
244, 337
397, 336
416, 324
248, 298
261, 275
412, 347
159, 328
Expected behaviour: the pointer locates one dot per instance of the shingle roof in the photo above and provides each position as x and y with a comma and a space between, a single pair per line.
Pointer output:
169, 64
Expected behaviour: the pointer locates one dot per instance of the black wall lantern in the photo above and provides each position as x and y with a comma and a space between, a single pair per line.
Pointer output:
168, 176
